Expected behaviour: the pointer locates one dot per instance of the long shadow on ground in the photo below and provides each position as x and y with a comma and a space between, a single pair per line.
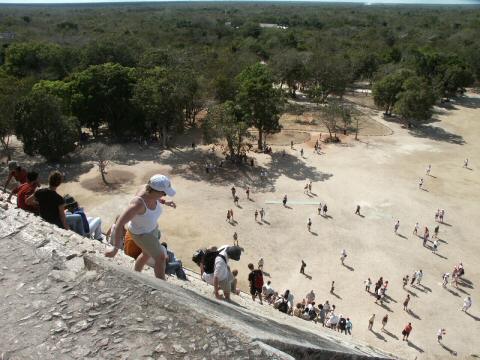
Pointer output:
191, 166
437, 134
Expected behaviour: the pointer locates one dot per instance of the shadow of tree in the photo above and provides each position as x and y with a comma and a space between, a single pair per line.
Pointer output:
469, 102
191, 165
437, 134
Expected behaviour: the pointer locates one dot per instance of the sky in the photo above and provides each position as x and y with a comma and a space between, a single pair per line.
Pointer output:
368, 2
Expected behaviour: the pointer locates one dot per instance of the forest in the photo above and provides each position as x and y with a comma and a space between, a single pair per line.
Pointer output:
137, 70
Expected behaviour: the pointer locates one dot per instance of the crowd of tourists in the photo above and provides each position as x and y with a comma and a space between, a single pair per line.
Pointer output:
136, 232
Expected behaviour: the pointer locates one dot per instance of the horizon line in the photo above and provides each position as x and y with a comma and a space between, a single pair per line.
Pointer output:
343, 2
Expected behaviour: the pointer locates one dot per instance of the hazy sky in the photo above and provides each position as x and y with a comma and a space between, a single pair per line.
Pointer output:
372, 2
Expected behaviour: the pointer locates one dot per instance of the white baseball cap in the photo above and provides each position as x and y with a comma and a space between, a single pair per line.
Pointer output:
161, 183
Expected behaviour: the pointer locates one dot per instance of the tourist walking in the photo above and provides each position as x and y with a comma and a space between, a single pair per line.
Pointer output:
441, 216
325, 209
406, 331
285, 200
467, 303
368, 283
405, 281
231, 215
302, 267
445, 279
371, 321
414, 277
235, 239
465, 163
405, 302
343, 256
348, 327
301, 152
320, 209
435, 231
426, 236
228, 216
332, 287
262, 214
378, 284
420, 183
419, 276
357, 211
235, 200
415, 229
397, 225
248, 193
234, 191
141, 220
309, 224
435, 247
428, 169
384, 322
310, 187
256, 215
440, 333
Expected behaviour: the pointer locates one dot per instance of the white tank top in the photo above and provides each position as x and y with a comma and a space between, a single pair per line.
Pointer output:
146, 222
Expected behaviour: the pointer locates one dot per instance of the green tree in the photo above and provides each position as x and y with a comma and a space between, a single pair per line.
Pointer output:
453, 79
107, 51
289, 68
259, 102
41, 60
157, 95
101, 94
223, 122
328, 75
11, 91
43, 128
331, 115
386, 90
416, 100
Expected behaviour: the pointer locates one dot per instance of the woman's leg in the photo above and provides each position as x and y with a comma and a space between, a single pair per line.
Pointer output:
141, 261
159, 267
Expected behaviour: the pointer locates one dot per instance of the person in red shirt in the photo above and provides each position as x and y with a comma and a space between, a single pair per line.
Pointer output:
406, 331
16, 172
23, 191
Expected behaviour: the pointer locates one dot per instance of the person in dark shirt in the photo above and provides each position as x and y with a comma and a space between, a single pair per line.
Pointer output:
16, 172
51, 204
23, 191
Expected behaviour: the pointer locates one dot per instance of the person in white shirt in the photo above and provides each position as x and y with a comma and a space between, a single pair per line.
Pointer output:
310, 297
419, 276
268, 291
467, 303
222, 277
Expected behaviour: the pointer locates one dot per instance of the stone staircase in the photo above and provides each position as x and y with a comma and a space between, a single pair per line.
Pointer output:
274, 334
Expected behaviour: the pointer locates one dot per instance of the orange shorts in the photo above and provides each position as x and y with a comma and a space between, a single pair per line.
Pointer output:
129, 247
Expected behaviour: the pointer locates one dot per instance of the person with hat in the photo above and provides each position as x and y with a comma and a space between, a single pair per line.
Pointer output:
16, 172
141, 219
89, 226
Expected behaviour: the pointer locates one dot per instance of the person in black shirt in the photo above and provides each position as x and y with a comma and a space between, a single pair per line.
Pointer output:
50, 203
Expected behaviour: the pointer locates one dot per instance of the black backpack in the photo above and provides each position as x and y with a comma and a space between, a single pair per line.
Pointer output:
209, 261
283, 306
198, 256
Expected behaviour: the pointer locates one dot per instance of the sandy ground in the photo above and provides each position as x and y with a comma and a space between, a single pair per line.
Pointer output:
381, 174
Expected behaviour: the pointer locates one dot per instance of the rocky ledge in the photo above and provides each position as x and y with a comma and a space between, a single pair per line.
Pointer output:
62, 300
